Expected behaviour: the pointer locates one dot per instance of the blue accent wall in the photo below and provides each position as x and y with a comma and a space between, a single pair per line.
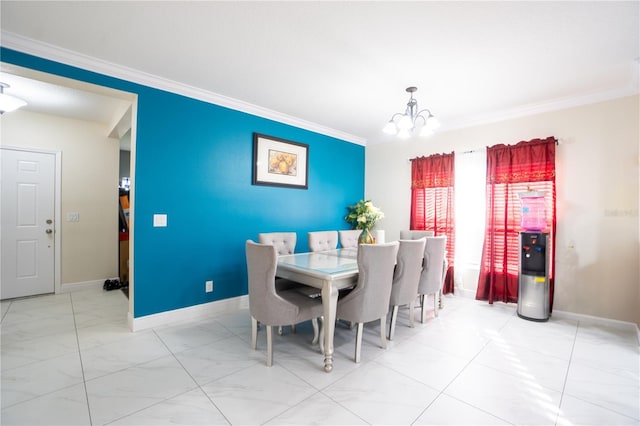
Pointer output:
194, 164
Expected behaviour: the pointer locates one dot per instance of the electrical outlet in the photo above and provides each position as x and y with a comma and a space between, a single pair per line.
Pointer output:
208, 286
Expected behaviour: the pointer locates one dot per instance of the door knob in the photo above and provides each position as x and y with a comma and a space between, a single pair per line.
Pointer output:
48, 231
49, 221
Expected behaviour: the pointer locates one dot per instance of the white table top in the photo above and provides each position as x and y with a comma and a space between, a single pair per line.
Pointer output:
329, 264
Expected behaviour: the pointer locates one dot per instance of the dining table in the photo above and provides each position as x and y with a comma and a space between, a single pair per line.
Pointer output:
329, 271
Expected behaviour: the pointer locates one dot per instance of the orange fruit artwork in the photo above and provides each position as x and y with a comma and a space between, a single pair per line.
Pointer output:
282, 163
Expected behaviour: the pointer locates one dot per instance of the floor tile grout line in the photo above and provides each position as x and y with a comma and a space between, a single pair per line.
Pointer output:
442, 392
472, 406
6, 311
566, 374
571, 360
84, 380
322, 389
35, 362
198, 385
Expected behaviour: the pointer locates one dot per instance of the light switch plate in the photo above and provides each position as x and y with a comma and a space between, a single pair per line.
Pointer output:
73, 217
159, 220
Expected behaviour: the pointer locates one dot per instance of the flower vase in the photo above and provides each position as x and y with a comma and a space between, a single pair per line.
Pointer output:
365, 237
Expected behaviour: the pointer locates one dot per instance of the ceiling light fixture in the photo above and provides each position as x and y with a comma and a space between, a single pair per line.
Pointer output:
9, 103
404, 124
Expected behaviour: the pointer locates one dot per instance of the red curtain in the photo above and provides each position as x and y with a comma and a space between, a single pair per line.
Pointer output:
511, 169
432, 181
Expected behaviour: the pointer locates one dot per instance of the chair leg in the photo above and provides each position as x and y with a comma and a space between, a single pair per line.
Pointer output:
435, 304
392, 323
269, 346
383, 336
293, 328
279, 330
359, 341
254, 333
412, 308
423, 314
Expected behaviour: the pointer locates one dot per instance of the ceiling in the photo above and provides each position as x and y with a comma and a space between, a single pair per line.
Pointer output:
61, 99
345, 65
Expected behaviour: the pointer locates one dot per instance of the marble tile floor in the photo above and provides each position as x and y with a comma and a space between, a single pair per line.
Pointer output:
70, 359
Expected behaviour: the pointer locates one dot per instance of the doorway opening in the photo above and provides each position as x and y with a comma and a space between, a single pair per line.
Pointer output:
86, 124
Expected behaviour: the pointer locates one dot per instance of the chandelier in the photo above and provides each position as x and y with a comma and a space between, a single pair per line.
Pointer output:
7, 102
405, 124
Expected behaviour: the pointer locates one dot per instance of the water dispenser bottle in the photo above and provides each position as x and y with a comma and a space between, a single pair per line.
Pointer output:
534, 210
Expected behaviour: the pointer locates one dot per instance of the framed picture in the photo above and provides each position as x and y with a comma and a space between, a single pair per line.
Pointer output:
279, 162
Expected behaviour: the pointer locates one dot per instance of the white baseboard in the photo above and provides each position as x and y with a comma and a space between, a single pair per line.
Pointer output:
190, 313
467, 294
622, 325
470, 294
81, 285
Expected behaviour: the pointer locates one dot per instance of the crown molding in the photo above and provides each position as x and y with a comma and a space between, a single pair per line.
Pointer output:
540, 108
68, 57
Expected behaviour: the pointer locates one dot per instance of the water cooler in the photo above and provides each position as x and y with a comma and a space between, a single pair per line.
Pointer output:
533, 273
533, 277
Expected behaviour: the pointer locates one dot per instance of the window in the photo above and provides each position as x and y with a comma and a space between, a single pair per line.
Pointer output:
512, 169
432, 202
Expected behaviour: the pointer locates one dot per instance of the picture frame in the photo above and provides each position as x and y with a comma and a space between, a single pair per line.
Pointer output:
280, 162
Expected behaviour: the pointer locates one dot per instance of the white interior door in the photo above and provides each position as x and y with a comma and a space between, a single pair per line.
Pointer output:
27, 223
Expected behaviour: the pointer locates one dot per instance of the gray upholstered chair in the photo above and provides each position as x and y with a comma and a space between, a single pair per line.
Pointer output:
323, 240
369, 299
284, 242
414, 235
349, 239
271, 307
405, 279
433, 272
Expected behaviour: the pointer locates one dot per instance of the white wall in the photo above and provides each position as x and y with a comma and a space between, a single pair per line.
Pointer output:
89, 249
597, 259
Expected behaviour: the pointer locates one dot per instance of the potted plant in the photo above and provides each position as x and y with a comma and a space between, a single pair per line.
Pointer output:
363, 215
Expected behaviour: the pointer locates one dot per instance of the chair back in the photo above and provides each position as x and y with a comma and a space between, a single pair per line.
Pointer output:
264, 303
369, 299
432, 277
323, 240
407, 272
284, 242
414, 235
349, 238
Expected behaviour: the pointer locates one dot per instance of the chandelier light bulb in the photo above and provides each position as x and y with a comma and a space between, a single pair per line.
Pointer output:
405, 123
9, 103
390, 128
404, 134
412, 120
432, 123
425, 131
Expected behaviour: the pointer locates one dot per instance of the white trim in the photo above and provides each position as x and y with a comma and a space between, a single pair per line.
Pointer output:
622, 325
81, 285
54, 53
190, 313
539, 108
466, 293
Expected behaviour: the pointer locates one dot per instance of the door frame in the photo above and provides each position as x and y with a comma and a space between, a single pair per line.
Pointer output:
57, 222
